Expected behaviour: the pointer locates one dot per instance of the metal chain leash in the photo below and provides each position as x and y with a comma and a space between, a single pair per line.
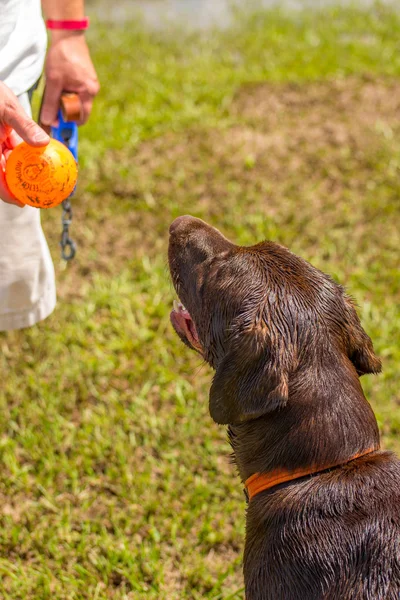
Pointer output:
67, 133
68, 246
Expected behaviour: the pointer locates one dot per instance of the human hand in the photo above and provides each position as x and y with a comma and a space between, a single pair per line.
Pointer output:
68, 68
15, 127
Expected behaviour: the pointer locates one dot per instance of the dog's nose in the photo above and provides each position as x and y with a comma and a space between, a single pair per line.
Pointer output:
180, 222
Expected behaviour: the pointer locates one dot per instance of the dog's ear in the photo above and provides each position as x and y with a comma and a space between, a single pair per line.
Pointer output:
360, 348
251, 380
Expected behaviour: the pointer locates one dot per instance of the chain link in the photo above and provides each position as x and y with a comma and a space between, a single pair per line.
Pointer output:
68, 246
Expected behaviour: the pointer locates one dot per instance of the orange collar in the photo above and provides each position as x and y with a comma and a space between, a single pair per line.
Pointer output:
264, 481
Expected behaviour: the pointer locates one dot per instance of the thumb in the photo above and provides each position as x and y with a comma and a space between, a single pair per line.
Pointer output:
30, 132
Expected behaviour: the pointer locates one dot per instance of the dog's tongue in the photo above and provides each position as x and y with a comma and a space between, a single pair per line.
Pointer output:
183, 323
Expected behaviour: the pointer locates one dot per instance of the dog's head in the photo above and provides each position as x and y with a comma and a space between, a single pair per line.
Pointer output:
258, 315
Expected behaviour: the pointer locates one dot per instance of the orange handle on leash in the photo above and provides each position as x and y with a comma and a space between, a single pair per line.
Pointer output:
71, 107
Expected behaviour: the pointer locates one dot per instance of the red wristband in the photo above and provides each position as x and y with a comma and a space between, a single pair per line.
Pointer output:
78, 25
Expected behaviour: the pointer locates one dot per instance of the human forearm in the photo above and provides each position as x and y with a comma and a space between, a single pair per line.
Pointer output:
68, 65
62, 10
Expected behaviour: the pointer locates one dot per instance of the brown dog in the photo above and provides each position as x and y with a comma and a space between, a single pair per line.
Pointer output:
323, 520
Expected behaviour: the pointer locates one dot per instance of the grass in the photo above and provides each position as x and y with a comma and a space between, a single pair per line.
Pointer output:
115, 483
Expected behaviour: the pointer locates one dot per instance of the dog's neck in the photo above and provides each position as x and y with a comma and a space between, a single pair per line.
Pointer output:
327, 420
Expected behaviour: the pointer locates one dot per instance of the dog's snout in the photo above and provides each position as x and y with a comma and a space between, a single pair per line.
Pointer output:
180, 223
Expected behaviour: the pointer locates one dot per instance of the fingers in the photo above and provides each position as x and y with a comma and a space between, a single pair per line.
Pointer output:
5, 193
13, 140
51, 102
49, 117
14, 116
86, 98
87, 104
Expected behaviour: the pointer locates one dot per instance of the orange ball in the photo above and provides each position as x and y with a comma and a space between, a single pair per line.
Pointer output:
41, 177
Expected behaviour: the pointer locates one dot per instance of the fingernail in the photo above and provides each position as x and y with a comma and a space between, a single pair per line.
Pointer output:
40, 137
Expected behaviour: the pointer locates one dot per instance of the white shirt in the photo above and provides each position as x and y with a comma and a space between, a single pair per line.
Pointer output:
23, 42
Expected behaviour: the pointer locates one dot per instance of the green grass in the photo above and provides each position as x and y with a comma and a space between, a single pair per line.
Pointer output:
115, 483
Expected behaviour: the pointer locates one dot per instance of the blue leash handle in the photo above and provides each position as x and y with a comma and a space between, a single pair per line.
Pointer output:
66, 132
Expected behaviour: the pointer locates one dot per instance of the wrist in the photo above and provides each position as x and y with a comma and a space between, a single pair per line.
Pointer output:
60, 27
61, 34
